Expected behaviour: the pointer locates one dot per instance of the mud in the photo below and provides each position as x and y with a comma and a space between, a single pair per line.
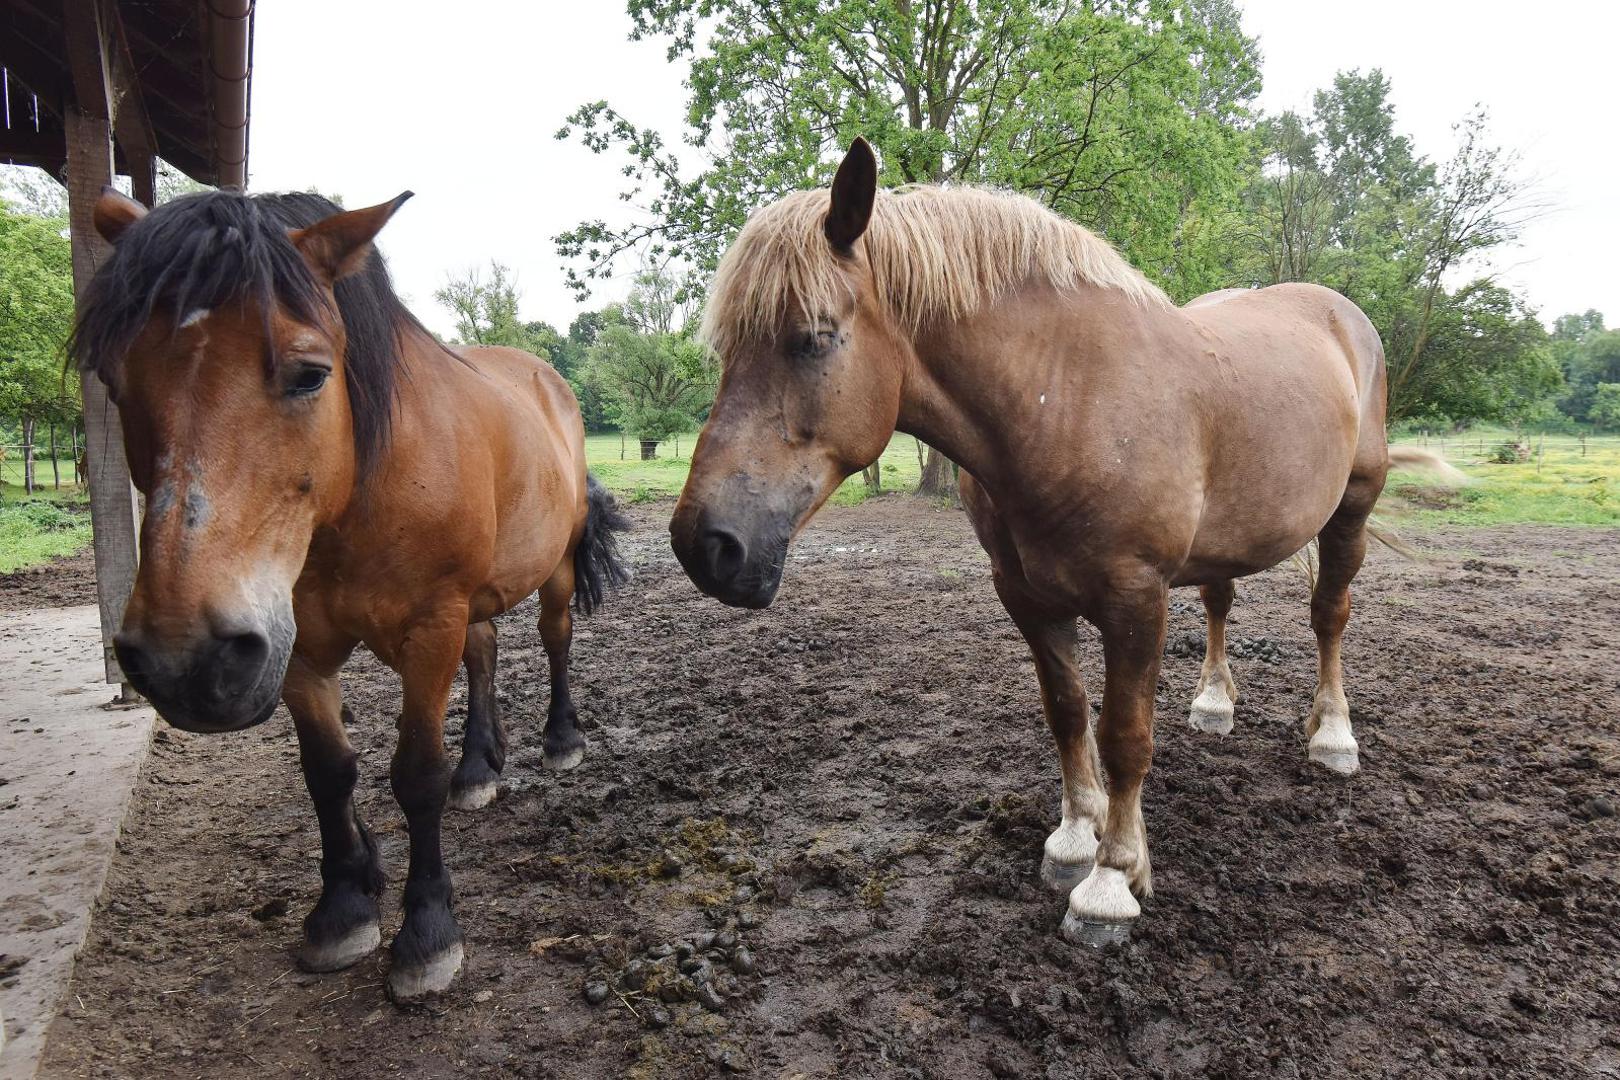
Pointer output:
850, 791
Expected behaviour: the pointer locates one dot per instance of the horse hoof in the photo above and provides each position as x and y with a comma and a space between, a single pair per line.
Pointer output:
566, 759
473, 797
1212, 711
1101, 909
1211, 721
346, 951
1336, 759
407, 984
1093, 934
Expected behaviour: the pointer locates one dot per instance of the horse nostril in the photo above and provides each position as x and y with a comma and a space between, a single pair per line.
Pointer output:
723, 555
238, 661
134, 660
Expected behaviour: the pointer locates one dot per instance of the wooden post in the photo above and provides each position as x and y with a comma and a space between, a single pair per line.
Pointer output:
28, 454
56, 472
113, 509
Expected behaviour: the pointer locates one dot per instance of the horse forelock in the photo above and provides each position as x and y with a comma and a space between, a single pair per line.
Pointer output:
201, 252
935, 253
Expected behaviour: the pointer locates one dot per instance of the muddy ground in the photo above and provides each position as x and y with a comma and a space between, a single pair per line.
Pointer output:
851, 790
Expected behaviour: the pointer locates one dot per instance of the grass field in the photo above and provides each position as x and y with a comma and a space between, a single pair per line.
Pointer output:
1562, 484
37, 528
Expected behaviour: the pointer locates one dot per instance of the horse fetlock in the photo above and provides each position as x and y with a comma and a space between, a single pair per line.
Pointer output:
1069, 853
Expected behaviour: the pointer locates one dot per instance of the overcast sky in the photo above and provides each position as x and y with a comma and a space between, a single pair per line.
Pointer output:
460, 105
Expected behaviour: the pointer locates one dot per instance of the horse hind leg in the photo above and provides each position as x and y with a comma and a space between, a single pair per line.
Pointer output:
563, 743
483, 749
1343, 545
1216, 698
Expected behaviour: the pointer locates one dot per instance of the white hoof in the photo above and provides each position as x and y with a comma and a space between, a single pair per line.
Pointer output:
1101, 909
1212, 710
433, 977
1069, 854
473, 798
1335, 757
348, 950
566, 760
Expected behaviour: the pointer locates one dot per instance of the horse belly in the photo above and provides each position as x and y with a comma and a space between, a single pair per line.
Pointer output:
1272, 491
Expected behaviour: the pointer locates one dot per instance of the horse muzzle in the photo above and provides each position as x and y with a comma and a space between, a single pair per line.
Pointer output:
735, 564
227, 680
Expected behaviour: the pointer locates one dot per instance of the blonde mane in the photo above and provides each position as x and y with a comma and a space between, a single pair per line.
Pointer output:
936, 253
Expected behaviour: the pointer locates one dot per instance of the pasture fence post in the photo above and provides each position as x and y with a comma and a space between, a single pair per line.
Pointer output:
621, 444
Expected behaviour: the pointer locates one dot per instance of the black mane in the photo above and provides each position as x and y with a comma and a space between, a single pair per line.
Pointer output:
202, 251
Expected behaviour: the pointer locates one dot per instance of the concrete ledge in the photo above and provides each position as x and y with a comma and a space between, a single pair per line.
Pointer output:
68, 763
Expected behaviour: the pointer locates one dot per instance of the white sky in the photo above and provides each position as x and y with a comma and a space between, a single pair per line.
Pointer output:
365, 99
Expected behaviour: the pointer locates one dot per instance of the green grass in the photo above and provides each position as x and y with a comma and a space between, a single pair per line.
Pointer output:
1557, 486
35, 529
639, 481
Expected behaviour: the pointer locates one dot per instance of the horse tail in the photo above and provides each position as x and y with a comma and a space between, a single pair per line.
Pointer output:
1414, 459
1417, 460
1409, 459
599, 568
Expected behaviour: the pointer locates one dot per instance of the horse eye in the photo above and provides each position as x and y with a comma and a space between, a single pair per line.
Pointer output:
813, 343
309, 380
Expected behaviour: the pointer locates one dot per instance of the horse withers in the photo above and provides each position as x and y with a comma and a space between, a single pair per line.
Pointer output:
320, 472
1112, 445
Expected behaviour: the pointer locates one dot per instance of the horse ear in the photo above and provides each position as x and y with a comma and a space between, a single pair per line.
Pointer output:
854, 189
114, 212
338, 245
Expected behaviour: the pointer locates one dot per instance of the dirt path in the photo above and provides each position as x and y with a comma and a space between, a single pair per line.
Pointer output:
853, 788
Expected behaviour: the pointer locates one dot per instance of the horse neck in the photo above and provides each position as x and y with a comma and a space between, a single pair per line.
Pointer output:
984, 389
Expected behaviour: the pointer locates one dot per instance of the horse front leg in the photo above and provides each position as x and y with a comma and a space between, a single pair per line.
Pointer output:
483, 748
1072, 847
1132, 620
1216, 698
427, 951
344, 927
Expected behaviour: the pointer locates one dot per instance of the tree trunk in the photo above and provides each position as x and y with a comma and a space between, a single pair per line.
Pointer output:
938, 477
56, 473
649, 449
28, 455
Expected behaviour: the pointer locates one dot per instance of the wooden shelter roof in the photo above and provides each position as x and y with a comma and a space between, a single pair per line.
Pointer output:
178, 72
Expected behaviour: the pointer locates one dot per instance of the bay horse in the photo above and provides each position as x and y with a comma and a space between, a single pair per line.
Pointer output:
320, 472
1112, 446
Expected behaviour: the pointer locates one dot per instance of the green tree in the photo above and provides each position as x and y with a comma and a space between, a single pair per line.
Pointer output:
654, 379
1126, 115
1343, 199
36, 315
1588, 362
486, 313
1605, 412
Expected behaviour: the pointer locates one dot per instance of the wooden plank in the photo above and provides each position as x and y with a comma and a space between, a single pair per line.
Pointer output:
113, 509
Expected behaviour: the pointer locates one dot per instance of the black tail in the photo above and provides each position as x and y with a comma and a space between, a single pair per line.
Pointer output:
598, 567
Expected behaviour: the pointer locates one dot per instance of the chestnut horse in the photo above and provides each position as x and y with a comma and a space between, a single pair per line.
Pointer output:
320, 472
1112, 446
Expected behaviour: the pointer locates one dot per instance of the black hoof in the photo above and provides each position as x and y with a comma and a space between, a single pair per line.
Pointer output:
474, 784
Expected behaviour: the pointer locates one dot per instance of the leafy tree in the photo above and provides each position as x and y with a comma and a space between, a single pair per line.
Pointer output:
36, 314
1343, 199
653, 378
1589, 361
486, 312
1605, 411
1126, 115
